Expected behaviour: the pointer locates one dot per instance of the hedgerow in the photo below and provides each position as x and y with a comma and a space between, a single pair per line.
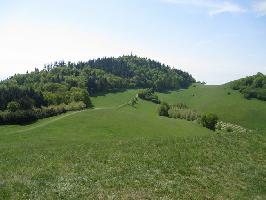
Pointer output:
29, 116
149, 95
183, 113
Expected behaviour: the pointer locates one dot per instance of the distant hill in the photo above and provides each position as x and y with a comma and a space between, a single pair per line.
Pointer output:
64, 83
251, 86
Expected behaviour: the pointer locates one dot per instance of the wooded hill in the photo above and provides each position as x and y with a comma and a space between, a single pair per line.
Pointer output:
251, 86
69, 83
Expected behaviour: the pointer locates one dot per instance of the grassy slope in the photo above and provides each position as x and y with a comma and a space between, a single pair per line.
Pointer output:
128, 153
231, 108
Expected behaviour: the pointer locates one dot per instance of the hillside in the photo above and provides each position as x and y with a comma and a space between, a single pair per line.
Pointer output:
127, 152
117, 149
62, 87
251, 86
228, 104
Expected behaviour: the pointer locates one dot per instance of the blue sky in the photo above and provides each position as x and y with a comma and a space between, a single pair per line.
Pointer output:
214, 40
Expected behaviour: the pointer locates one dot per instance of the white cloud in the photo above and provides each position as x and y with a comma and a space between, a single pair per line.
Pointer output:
213, 7
259, 7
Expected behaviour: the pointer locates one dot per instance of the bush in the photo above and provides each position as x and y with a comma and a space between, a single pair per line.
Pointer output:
183, 113
76, 106
179, 110
149, 95
50, 111
26, 103
18, 117
180, 106
28, 116
209, 120
133, 101
228, 127
54, 110
13, 106
163, 109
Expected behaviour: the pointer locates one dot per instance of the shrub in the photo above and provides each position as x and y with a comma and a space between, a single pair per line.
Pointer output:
18, 117
13, 106
26, 103
76, 106
149, 95
78, 95
50, 111
133, 101
163, 109
28, 116
180, 106
228, 127
209, 120
183, 113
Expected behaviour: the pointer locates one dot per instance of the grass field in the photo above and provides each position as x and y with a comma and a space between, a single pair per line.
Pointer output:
231, 108
129, 153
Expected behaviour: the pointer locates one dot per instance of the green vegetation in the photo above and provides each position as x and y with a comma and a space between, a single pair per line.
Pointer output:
229, 108
183, 113
18, 117
13, 106
128, 153
131, 144
68, 83
209, 120
149, 95
251, 86
178, 111
29, 116
228, 127
163, 109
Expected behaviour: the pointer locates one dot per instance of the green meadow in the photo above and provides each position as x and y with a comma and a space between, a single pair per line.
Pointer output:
228, 104
116, 151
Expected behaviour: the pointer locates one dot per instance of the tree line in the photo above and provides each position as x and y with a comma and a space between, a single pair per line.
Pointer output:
251, 86
65, 83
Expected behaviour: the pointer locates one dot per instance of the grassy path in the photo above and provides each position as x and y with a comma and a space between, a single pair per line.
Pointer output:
48, 122
59, 118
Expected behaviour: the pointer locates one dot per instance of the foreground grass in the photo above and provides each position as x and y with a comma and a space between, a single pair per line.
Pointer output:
215, 167
128, 153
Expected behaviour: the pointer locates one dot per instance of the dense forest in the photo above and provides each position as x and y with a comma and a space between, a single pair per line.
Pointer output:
62, 86
252, 86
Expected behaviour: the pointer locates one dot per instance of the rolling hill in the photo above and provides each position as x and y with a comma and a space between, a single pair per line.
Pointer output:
228, 104
124, 152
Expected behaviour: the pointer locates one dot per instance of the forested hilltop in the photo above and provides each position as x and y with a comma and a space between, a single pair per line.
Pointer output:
251, 86
62, 86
